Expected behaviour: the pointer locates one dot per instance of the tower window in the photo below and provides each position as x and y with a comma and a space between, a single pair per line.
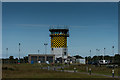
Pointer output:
60, 32
65, 53
52, 49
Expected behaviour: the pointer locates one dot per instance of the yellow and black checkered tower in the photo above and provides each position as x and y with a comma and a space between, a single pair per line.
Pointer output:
59, 42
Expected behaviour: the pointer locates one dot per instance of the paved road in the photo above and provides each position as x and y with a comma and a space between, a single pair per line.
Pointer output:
91, 73
59, 67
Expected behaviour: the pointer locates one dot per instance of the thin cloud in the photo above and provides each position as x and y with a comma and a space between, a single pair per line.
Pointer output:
33, 25
64, 26
46, 25
51, 26
60, 0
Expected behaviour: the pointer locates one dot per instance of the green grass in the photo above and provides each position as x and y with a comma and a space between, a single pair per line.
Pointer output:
34, 71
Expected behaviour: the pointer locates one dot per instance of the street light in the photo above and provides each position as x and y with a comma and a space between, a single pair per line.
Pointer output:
97, 56
113, 50
6, 52
90, 53
104, 53
113, 53
38, 51
45, 47
90, 56
96, 51
19, 51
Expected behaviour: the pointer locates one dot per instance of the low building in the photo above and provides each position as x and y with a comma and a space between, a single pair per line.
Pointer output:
81, 61
41, 58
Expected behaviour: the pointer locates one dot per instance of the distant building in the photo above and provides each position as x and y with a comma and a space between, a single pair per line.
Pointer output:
59, 42
41, 58
81, 61
59, 51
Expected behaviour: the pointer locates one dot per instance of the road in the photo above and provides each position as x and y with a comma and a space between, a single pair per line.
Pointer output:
56, 68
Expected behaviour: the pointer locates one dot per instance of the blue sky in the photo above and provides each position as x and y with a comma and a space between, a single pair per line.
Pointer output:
92, 26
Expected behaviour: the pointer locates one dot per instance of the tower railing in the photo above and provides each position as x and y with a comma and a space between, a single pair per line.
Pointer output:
67, 35
58, 27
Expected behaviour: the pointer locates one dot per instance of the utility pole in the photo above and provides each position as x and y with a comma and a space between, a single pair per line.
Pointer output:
87, 64
38, 51
19, 51
113, 53
99, 54
45, 47
6, 55
6, 52
90, 63
96, 51
104, 54
90, 55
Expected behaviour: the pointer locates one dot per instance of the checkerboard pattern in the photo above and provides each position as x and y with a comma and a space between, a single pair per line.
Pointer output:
59, 42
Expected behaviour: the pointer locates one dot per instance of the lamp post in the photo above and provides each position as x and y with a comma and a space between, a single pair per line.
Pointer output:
6, 52
96, 51
113, 53
6, 55
104, 54
38, 51
99, 54
19, 51
90, 64
90, 55
45, 47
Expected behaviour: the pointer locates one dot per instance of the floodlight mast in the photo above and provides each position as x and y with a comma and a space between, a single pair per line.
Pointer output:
90, 55
104, 54
97, 54
96, 51
45, 47
113, 53
38, 51
6, 52
19, 51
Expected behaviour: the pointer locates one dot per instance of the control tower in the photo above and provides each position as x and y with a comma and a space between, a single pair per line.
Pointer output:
59, 42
